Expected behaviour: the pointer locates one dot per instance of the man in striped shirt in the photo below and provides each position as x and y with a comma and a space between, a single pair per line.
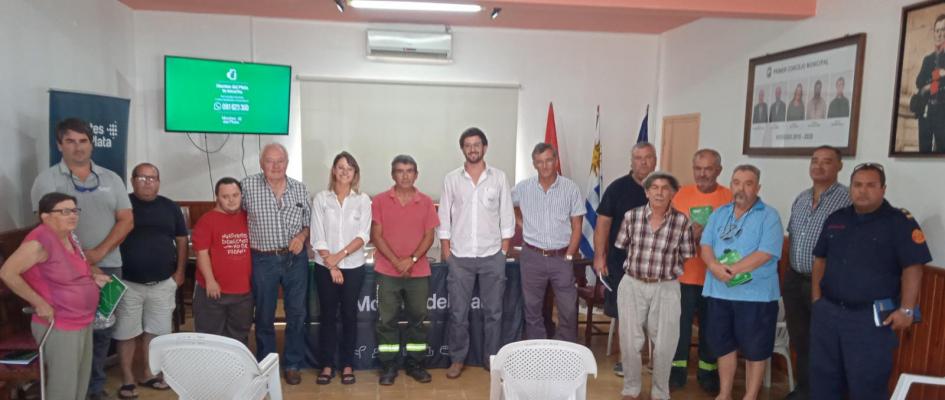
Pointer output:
657, 238
550, 209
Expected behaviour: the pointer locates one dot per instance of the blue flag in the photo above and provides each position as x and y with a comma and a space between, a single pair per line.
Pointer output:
643, 136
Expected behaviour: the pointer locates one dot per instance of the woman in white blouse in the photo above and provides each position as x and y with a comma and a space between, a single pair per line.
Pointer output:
341, 226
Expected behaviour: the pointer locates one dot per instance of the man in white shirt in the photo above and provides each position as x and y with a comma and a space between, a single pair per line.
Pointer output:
476, 223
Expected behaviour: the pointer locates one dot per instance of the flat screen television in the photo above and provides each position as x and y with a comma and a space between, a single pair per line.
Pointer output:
217, 96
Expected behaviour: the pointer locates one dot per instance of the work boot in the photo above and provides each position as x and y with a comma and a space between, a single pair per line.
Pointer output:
415, 370
678, 377
388, 373
709, 382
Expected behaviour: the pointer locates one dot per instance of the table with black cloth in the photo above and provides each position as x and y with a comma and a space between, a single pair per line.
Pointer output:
365, 353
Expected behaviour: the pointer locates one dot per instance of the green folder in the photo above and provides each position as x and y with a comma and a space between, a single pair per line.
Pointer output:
109, 297
730, 257
700, 215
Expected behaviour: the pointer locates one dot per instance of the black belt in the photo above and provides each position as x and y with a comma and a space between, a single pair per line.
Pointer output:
276, 252
849, 305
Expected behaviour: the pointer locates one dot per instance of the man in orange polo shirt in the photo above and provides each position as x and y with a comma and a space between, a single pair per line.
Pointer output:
697, 201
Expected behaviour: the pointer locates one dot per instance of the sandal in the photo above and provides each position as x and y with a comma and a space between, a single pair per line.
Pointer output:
324, 379
124, 389
347, 375
154, 383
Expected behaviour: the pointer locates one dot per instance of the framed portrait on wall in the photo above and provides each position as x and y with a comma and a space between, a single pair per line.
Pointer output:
918, 122
806, 97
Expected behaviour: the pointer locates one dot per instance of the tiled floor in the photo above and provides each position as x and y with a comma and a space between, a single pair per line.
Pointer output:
473, 385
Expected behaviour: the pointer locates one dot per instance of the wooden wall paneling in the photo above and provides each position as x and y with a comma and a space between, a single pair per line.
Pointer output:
922, 348
196, 209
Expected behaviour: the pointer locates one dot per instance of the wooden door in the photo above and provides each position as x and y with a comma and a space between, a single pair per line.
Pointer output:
680, 140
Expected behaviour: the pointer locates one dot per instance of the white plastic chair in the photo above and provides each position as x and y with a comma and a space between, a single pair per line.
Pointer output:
906, 380
541, 370
782, 346
207, 367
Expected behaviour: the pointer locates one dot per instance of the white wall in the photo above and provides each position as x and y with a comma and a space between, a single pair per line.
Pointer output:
577, 71
704, 69
76, 45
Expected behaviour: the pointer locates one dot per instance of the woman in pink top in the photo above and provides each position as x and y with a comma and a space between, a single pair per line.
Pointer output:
49, 271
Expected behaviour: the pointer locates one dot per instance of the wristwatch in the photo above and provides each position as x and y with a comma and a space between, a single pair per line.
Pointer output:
568, 257
908, 311
414, 259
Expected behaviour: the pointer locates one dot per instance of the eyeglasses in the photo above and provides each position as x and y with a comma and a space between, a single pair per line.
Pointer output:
148, 179
83, 188
730, 231
67, 211
870, 165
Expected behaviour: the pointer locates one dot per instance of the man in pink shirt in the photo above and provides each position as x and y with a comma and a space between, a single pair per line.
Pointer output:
403, 220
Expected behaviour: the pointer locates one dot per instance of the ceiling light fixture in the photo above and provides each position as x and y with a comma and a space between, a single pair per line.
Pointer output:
340, 4
414, 6
495, 13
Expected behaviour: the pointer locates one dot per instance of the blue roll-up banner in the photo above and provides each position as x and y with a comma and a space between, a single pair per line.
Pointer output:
108, 118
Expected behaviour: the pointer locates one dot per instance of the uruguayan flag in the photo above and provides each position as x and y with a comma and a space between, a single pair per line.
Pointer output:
593, 196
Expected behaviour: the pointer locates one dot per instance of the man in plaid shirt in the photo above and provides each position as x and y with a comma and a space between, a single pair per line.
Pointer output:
657, 238
808, 213
279, 215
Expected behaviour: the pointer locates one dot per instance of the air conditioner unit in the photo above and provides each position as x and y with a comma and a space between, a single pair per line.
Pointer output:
393, 45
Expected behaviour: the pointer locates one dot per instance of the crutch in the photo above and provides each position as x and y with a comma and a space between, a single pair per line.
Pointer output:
42, 343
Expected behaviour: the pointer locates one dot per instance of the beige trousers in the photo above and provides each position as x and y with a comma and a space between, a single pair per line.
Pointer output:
648, 310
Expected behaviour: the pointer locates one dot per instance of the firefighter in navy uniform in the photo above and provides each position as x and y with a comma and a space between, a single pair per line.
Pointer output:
866, 252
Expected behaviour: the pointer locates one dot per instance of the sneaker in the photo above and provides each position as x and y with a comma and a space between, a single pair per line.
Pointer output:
388, 374
677, 377
618, 369
293, 377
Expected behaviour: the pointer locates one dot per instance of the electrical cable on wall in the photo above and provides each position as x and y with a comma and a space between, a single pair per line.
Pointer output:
209, 168
243, 155
206, 150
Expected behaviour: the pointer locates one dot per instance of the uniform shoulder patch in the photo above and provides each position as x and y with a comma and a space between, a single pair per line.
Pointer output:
918, 236
906, 213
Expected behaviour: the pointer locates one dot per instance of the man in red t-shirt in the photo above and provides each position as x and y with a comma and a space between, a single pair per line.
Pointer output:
223, 303
402, 226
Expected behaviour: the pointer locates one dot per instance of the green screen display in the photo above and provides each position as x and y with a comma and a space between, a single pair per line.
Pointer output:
216, 96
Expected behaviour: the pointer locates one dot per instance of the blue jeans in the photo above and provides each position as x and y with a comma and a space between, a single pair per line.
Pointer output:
291, 272
101, 342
